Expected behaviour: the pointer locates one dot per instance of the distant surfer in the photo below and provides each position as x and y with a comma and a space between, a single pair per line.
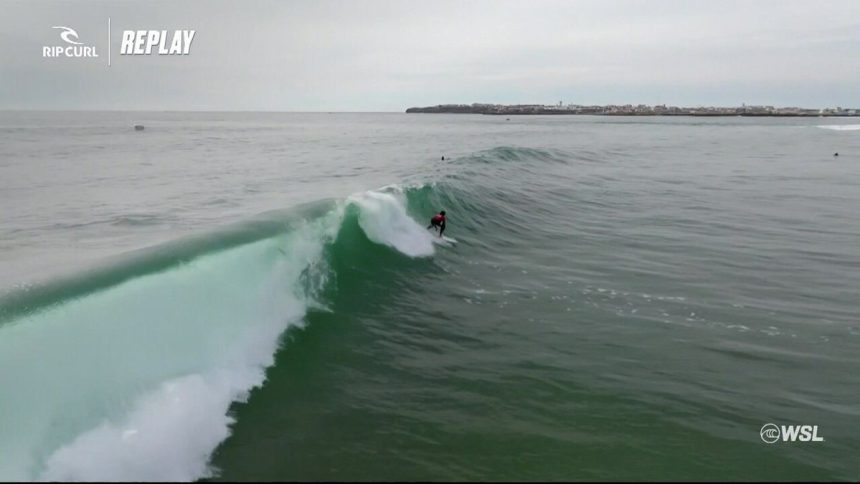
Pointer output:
438, 220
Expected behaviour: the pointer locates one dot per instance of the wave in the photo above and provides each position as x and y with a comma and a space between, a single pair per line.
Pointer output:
383, 218
840, 127
116, 270
128, 371
519, 154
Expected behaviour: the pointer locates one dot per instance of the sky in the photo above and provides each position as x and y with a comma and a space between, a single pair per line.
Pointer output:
383, 55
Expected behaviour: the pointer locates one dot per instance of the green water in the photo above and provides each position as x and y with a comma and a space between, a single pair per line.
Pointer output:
528, 353
625, 300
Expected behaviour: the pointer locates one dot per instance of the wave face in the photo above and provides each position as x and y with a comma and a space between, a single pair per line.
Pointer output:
132, 377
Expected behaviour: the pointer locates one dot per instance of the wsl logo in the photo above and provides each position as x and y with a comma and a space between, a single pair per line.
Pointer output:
771, 434
73, 47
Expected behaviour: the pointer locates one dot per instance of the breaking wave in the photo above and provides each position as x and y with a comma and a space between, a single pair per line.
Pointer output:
841, 127
128, 372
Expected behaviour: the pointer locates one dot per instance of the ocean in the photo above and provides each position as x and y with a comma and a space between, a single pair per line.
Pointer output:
254, 296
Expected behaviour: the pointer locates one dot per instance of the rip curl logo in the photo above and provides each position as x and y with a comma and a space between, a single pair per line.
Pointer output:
73, 47
68, 32
770, 433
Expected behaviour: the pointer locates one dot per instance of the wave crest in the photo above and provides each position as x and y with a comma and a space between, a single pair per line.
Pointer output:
383, 218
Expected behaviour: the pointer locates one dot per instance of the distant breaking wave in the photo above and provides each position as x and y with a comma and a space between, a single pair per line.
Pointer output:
841, 127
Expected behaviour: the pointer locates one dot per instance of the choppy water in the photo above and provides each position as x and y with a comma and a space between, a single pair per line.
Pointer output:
254, 296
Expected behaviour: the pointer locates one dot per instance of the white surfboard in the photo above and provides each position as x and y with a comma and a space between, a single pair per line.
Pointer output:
444, 240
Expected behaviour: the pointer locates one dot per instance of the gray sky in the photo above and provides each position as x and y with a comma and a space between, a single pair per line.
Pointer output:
371, 55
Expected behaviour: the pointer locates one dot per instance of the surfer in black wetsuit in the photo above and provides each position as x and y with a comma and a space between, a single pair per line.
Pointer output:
438, 220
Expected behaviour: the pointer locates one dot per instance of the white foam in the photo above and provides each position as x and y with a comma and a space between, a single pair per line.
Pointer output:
383, 218
841, 127
167, 436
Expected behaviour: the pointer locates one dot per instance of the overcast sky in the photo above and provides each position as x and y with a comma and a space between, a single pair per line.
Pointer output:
371, 55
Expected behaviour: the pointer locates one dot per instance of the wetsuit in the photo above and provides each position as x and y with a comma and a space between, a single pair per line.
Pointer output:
438, 220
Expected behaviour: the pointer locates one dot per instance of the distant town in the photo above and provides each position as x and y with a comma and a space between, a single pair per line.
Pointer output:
633, 110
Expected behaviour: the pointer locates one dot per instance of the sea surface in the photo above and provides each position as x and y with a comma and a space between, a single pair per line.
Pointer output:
247, 296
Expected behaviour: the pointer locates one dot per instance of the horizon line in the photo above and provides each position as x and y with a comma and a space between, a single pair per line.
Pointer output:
74, 110
402, 111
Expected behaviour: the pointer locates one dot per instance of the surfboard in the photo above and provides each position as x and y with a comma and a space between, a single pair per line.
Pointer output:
444, 240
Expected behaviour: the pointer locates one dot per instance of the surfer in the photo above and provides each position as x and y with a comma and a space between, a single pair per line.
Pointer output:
438, 220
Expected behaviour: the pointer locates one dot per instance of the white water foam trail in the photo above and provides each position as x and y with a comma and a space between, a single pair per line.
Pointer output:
384, 220
168, 435
135, 382
841, 127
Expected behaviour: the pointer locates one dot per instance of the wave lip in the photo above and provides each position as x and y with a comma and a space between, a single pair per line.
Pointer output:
32, 298
383, 218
